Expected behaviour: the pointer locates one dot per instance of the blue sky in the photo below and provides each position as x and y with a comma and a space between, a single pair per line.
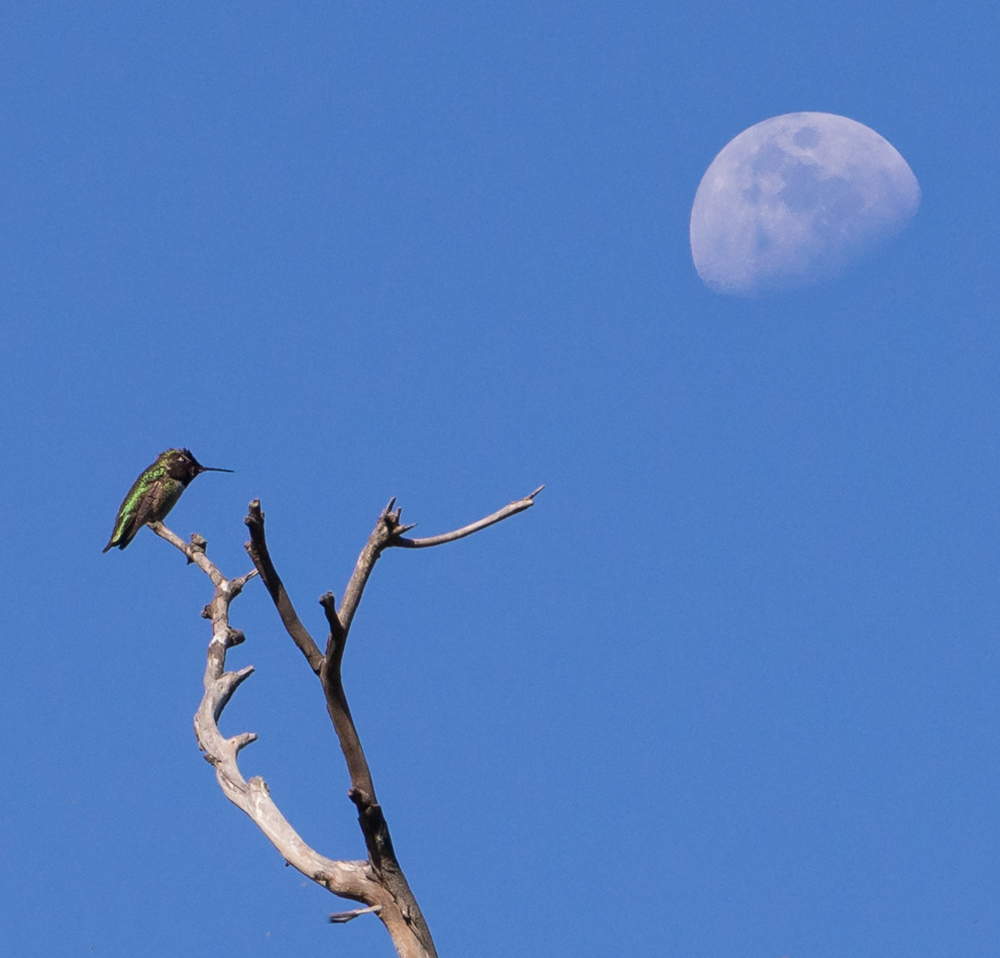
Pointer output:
729, 689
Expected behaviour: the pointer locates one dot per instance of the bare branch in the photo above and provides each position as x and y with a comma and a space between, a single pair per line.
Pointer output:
378, 883
342, 917
194, 550
509, 510
338, 637
383, 893
257, 550
348, 879
388, 533
371, 818
337, 707
385, 528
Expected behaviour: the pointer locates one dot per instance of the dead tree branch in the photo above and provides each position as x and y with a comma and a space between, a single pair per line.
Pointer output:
400, 913
388, 533
378, 883
512, 509
257, 548
348, 879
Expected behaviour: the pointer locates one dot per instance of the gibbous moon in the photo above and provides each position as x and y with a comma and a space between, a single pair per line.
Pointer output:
794, 200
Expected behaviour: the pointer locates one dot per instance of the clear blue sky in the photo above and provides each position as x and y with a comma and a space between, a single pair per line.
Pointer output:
730, 689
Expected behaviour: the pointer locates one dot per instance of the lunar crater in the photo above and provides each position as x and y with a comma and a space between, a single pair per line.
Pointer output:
794, 200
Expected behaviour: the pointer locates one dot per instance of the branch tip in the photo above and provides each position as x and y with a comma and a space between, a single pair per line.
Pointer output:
511, 509
328, 599
231, 681
243, 674
244, 739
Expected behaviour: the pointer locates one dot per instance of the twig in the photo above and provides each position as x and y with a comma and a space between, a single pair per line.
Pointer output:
342, 917
509, 510
194, 550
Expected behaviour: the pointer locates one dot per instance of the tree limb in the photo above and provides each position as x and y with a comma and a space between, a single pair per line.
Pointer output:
257, 550
353, 880
393, 901
388, 533
398, 910
509, 510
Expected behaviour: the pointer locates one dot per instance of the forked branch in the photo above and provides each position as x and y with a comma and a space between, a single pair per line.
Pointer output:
378, 883
348, 879
388, 533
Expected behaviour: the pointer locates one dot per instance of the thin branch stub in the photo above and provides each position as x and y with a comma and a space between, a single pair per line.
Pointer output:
342, 917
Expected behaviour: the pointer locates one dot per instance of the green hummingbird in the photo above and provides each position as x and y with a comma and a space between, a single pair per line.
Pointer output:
155, 493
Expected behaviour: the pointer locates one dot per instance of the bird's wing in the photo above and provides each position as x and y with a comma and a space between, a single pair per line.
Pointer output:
130, 524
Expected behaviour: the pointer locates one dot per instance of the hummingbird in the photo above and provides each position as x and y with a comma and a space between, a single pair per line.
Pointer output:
155, 493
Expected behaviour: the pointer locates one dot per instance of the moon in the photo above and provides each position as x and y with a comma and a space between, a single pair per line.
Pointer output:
795, 200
